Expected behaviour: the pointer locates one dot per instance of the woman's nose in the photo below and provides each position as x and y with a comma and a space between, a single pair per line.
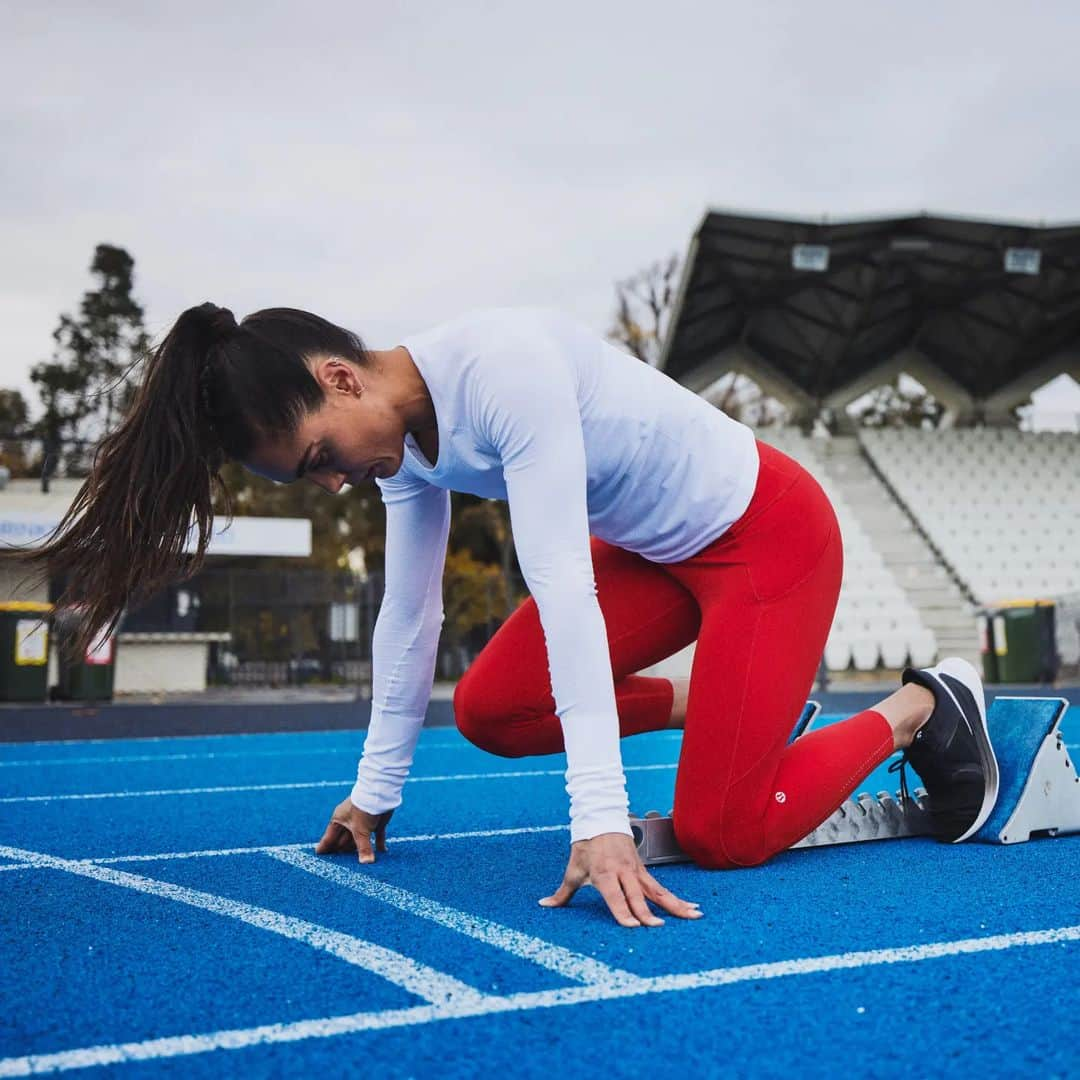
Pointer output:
332, 482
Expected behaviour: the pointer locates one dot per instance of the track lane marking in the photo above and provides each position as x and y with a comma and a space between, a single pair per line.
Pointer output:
269, 849
458, 743
411, 975
571, 965
353, 1023
303, 784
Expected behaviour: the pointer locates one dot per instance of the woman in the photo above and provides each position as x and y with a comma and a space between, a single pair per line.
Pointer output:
698, 532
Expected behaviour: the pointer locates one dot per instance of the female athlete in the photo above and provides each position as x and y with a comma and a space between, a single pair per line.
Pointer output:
643, 519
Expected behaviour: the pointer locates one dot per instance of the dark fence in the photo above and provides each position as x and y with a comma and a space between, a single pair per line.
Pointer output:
301, 626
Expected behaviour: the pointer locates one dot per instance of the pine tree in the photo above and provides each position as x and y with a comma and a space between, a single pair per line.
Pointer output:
82, 387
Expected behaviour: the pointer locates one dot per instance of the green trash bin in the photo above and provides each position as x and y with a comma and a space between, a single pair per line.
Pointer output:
88, 677
24, 645
1023, 638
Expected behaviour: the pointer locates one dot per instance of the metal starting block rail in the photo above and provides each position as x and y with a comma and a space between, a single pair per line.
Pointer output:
1039, 792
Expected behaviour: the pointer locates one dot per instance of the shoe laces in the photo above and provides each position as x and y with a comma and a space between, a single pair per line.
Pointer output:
900, 766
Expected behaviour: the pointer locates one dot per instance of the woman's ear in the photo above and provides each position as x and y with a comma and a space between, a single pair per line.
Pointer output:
335, 375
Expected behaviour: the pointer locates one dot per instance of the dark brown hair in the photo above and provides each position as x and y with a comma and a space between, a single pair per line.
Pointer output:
213, 389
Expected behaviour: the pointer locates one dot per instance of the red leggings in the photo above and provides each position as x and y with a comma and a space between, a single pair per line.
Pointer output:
759, 601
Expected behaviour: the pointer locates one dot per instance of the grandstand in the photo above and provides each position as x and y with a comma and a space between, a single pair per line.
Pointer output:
1001, 507
937, 520
895, 599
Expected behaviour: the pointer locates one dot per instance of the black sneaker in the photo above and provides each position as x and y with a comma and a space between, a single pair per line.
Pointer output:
951, 752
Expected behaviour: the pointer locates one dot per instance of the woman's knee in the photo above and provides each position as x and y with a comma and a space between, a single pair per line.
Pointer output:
722, 845
482, 721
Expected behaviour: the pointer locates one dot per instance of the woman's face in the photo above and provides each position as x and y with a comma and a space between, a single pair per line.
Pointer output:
355, 436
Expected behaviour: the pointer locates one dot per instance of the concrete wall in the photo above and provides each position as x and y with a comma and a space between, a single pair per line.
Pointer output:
156, 666
154, 663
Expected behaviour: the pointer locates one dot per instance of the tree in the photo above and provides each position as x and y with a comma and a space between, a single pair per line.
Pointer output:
81, 387
474, 602
643, 308
16, 453
481, 527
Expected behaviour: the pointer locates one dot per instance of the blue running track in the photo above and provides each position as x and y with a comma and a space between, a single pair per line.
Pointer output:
162, 915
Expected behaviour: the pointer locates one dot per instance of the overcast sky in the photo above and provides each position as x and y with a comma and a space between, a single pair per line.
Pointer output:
390, 165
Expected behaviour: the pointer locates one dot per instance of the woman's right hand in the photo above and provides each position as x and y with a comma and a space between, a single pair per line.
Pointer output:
351, 829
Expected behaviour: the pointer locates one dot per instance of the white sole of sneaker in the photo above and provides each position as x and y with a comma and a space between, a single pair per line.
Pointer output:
964, 672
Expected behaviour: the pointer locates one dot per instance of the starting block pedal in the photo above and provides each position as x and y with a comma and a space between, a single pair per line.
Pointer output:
1039, 792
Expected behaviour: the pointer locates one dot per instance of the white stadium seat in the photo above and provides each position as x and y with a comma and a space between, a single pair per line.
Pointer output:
838, 654
1001, 505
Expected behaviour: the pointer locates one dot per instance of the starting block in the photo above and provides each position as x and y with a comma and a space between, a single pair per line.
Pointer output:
1039, 792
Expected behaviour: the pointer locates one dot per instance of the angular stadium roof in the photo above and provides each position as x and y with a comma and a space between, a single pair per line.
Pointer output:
981, 312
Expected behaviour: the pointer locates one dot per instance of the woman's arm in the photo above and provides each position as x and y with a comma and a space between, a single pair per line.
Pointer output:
527, 408
405, 640
530, 412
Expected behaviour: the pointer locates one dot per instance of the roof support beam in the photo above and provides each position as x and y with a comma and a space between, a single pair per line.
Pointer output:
997, 408
959, 404
747, 361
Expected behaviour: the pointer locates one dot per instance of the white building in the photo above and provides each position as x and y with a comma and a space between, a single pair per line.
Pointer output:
145, 662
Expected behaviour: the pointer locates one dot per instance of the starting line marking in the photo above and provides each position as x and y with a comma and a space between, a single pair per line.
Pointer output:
514, 775
270, 849
395, 967
353, 1023
570, 965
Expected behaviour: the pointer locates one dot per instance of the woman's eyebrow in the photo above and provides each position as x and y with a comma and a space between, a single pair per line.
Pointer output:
303, 462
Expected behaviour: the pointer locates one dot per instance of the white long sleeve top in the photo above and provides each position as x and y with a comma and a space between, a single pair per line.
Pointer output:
580, 438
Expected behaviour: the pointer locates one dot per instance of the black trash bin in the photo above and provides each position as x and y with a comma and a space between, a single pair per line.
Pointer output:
89, 677
24, 644
1024, 643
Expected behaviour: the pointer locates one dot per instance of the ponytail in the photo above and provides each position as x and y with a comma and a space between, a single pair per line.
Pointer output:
126, 533
212, 389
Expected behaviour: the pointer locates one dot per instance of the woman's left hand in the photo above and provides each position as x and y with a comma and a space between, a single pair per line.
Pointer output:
611, 864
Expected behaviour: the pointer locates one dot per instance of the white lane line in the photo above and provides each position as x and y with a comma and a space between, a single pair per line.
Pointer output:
460, 743
229, 789
269, 849
395, 967
128, 759
169, 791
457, 742
570, 965
330, 1026
330, 734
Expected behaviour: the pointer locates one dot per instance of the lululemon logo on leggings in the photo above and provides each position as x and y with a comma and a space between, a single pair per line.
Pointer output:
781, 797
